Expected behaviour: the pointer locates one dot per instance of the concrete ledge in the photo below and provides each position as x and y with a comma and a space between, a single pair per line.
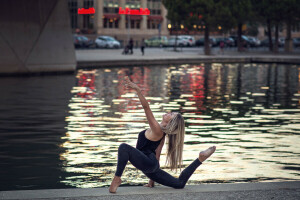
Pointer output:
98, 58
271, 190
117, 63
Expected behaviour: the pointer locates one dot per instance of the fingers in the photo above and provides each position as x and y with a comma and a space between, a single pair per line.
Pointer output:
128, 84
147, 185
127, 80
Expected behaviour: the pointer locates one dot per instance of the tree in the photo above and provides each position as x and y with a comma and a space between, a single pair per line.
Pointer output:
209, 13
276, 13
263, 11
241, 12
291, 16
205, 11
177, 14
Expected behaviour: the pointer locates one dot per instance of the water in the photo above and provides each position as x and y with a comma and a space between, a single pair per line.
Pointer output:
64, 131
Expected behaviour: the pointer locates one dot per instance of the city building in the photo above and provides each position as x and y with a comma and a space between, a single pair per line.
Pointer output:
108, 21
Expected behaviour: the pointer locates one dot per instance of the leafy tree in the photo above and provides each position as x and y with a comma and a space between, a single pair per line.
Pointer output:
177, 14
276, 13
291, 16
209, 13
241, 12
205, 11
263, 13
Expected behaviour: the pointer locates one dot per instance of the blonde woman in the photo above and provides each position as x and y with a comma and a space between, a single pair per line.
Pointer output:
145, 156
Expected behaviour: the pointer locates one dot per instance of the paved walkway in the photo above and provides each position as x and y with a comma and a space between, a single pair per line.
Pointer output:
114, 57
244, 191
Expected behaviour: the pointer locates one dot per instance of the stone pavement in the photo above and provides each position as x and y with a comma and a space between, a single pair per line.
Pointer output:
267, 190
153, 56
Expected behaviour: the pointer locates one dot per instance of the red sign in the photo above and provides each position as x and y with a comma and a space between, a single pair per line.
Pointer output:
86, 11
128, 11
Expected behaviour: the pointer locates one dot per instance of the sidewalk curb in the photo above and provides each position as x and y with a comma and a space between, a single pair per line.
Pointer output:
137, 192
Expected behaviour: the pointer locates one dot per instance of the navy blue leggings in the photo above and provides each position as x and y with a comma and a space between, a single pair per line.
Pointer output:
149, 165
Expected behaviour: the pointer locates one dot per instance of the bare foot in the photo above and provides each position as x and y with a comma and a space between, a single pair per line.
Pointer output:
116, 182
203, 155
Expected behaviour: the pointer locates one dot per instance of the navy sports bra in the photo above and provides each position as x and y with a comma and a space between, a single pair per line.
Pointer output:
145, 145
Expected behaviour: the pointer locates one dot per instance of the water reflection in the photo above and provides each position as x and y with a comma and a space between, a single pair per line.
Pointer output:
250, 111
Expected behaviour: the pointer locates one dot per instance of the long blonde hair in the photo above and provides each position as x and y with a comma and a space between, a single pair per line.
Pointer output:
175, 131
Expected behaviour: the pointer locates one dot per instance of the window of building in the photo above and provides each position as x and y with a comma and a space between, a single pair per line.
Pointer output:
111, 3
73, 9
111, 6
88, 20
134, 4
111, 10
110, 23
134, 23
153, 24
155, 9
154, 5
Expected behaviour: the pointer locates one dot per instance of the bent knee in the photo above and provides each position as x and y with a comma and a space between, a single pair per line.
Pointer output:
124, 146
179, 186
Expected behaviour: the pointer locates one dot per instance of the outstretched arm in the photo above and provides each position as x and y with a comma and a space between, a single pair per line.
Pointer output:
154, 125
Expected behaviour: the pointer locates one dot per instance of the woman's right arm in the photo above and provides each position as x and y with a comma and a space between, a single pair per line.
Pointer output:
154, 125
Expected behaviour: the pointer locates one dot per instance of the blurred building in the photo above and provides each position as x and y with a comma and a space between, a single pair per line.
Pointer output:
108, 21
295, 31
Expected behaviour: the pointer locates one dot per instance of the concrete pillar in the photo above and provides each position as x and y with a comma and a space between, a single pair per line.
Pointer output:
35, 37
144, 17
98, 16
164, 23
122, 23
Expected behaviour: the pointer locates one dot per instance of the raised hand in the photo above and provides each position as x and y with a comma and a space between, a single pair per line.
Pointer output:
128, 84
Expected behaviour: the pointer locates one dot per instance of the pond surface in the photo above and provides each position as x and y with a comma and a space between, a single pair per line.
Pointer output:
64, 131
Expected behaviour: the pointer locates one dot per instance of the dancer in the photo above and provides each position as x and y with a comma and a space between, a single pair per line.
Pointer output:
145, 156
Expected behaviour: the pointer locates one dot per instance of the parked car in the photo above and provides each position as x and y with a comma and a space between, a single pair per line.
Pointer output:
255, 42
157, 41
189, 40
181, 42
296, 42
200, 42
281, 42
81, 41
245, 41
265, 42
227, 41
107, 42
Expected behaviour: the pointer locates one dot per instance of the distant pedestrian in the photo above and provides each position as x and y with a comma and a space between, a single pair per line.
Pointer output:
143, 46
222, 44
131, 46
126, 50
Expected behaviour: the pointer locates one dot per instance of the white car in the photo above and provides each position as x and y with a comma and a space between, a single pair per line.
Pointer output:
107, 42
180, 41
189, 40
